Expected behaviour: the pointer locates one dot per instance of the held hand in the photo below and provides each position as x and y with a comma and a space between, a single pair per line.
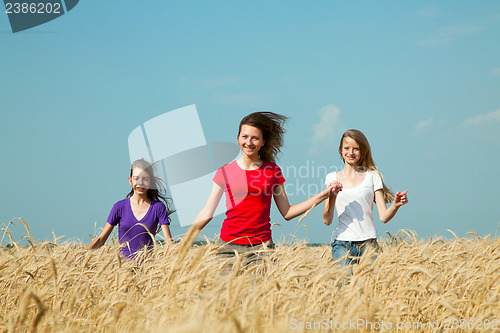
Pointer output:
336, 187
332, 188
400, 199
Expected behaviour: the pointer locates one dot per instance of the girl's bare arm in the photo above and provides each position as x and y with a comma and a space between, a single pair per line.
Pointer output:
102, 238
288, 211
386, 214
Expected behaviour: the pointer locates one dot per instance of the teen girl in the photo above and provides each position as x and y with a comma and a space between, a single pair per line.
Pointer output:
139, 214
249, 185
356, 187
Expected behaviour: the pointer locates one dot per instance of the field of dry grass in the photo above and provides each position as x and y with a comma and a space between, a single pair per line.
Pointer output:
439, 285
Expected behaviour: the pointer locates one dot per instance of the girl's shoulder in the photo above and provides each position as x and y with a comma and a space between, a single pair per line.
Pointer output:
228, 165
332, 176
119, 206
272, 169
373, 173
269, 165
123, 202
374, 177
157, 205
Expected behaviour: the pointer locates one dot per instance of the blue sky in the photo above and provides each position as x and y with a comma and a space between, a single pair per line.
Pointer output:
420, 79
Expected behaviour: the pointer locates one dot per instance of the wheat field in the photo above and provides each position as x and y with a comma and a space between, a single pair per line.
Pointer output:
413, 285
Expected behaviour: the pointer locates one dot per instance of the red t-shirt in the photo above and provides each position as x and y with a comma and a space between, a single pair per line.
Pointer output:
248, 201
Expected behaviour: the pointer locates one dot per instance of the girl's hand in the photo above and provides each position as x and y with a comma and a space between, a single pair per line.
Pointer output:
400, 199
336, 187
332, 188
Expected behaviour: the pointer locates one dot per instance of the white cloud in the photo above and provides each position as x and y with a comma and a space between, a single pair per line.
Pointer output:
423, 125
495, 71
483, 118
325, 131
449, 34
429, 11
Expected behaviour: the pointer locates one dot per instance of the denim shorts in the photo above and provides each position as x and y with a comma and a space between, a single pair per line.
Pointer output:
349, 252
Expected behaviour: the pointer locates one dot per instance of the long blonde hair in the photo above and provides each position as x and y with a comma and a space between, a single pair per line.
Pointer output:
366, 160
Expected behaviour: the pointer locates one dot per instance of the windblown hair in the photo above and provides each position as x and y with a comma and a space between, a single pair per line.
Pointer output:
156, 189
366, 162
273, 131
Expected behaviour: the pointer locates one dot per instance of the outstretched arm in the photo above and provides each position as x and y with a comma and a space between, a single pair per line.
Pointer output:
386, 214
166, 233
102, 238
289, 212
206, 214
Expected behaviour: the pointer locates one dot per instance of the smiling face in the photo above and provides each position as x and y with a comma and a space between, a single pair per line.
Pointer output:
250, 140
351, 153
140, 181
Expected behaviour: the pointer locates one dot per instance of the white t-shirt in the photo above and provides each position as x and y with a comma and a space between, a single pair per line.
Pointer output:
355, 208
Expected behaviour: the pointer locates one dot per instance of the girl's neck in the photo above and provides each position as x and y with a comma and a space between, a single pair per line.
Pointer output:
352, 169
140, 199
248, 163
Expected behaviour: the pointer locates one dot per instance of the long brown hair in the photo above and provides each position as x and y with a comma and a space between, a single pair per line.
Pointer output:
272, 126
156, 189
366, 162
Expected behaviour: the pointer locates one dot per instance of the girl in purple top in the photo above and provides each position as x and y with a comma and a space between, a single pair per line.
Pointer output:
139, 214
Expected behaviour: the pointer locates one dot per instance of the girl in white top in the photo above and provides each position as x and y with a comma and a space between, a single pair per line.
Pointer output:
357, 186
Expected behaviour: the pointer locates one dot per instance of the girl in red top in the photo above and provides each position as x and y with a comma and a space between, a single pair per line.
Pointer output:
249, 184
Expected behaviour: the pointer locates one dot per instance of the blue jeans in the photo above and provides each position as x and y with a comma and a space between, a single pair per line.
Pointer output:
349, 252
